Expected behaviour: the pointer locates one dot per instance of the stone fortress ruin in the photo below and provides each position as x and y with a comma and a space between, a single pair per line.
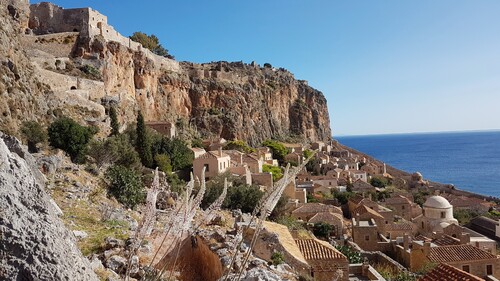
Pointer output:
48, 18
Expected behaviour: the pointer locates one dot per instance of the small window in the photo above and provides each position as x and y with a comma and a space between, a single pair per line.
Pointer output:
443, 215
402, 207
466, 268
367, 237
206, 167
489, 269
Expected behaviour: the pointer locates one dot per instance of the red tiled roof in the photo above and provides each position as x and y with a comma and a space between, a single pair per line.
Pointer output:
362, 209
403, 226
316, 208
445, 272
326, 217
458, 253
446, 240
313, 249
212, 154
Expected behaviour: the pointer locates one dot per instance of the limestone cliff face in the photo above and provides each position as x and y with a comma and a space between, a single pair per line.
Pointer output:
230, 100
21, 97
220, 99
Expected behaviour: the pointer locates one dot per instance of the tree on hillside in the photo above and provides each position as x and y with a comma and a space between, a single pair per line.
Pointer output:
239, 145
152, 43
143, 145
115, 126
68, 135
34, 134
278, 149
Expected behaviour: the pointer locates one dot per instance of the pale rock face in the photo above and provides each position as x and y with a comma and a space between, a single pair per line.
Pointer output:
35, 245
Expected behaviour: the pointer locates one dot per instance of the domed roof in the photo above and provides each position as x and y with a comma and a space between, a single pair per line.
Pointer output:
437, 202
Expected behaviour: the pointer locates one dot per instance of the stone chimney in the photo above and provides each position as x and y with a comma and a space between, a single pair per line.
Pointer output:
406, 242
464, 238
357, 219
427, 248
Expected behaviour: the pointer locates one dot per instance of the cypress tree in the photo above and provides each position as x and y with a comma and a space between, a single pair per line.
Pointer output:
114, 121
143, 145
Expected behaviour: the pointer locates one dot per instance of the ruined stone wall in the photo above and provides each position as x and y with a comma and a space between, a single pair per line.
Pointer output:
49, 18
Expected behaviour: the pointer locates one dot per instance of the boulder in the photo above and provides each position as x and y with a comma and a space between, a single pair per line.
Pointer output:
80, 234
35, 244
117, 263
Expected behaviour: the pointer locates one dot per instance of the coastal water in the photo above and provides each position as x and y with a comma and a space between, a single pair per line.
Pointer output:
468, 160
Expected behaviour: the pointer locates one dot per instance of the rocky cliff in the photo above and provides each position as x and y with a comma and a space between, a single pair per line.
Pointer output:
34, 243
220, 99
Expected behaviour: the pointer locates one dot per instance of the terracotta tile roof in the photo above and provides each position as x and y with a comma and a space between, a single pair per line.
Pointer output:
212, 154
316, 208
314, 249
444, 272
400, 199
362, 209
446, 240
356, 199
402, 226
326, 217
421, 237
458, 253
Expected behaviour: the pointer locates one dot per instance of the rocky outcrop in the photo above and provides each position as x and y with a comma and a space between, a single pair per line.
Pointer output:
220, 99
34, 243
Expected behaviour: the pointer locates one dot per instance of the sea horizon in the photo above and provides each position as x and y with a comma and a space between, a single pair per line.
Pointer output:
467, 159
418, 133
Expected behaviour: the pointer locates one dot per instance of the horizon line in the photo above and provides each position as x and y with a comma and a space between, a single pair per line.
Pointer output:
420, 133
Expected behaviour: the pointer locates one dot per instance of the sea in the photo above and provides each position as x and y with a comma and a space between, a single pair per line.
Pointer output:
468, 160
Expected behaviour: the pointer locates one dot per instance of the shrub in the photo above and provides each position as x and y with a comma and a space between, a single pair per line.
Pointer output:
278, 149
378, 182
125, 185
34, 133
162, 161
181, 157
277, 258
143, 144
352, 256
114, 150
243, 197
321, 229
115, 126
239, 145
66, 134
275, 171
290, 222
152, 43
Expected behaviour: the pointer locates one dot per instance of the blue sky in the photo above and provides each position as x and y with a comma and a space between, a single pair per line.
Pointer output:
384, 66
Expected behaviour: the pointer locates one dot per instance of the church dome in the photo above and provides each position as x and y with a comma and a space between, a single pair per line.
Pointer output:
437, 202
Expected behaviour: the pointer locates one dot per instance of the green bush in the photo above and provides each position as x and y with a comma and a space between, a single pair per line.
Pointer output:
181, 157
239, 196
114, 150
115, 126
290, 222
152, 43
275, 171
277, 258
125, 185
66, 134
34, 133
378, 182
352, 256
278, 149
321, 229
162, 161
143, 143
239, 145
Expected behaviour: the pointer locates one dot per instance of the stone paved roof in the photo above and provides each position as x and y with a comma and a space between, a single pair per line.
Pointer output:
314, 249
444, 272
458, 253
399, 199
